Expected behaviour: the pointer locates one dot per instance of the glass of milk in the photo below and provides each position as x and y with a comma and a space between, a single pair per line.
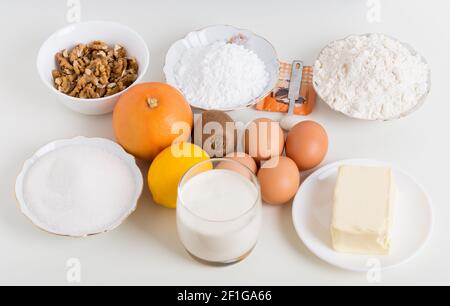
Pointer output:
219, 211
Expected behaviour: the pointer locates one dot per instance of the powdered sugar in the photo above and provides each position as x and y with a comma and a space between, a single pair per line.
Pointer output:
371, 77
221, 76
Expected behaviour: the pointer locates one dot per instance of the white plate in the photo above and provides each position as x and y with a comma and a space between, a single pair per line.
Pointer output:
312, 212
263, 48
101, 143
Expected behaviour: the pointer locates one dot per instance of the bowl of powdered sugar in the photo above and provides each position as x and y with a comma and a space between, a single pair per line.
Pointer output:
79, 187
372, 77
222, 68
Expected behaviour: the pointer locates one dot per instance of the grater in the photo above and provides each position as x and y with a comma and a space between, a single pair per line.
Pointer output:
279, 99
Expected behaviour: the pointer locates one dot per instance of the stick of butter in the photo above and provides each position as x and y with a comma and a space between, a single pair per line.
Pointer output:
363, 210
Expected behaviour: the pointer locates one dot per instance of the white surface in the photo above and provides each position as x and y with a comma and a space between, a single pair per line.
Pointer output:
260, 46
111, 219
313, 208
86, 32
145, 249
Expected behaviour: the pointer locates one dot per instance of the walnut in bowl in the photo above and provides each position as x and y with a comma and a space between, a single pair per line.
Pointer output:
90, 78
94, 71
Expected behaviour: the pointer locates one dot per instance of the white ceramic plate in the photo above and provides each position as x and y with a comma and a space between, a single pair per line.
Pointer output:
312, 213
204, 37
101, 143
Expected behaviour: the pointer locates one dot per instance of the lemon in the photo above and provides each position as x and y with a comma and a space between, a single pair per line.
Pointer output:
169, 167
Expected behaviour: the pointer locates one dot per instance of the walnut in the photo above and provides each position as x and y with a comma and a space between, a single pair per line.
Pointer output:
112, 89
83, 82
63, 63
88, 92
98, 45
56, 74
128, 78
99, 54
119, 52
133, 64
78, 52
95, 70
64, 84
110, 56
99, 68
119, 67
101, 91
79, 66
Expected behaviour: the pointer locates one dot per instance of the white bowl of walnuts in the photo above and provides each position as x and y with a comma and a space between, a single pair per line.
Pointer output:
89, 65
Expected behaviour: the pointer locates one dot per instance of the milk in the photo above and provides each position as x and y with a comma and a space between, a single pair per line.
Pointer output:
219, 216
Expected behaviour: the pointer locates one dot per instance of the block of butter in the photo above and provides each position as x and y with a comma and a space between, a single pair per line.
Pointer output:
363, 208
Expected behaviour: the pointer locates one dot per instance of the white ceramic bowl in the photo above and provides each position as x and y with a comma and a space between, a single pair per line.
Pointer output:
101, 143
86, 32
263, 48
420, 102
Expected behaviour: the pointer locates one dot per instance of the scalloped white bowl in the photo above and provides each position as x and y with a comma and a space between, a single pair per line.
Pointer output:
86, 32
104, 144
263, 48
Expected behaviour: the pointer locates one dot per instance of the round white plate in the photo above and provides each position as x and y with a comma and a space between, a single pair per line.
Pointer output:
312, 211
104, 144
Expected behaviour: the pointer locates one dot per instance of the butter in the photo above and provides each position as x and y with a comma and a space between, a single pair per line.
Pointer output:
363, 207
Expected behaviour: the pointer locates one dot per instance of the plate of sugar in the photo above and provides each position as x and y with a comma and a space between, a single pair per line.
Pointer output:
79, 187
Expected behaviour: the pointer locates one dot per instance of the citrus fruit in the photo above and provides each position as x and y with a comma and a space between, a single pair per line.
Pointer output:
150, 117
169, 167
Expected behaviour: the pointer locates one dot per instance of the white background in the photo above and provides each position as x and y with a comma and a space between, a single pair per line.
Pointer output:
145, 250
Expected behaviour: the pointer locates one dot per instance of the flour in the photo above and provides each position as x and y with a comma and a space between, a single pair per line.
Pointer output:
221, 76
371, 77
78, 190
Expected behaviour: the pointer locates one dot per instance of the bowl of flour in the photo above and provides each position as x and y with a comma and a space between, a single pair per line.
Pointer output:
222, 68
372, 77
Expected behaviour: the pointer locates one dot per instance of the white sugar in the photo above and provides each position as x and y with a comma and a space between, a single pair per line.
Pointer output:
78, 190
221, 76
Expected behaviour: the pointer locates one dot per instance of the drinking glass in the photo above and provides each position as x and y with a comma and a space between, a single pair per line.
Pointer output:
212, 232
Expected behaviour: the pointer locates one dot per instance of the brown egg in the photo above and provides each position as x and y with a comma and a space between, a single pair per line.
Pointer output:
307, 144
244, 160
264, 139
279, 179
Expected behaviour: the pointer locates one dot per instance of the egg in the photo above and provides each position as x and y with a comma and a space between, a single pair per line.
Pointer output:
264, 139
307, 145
244, 160
279, 179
